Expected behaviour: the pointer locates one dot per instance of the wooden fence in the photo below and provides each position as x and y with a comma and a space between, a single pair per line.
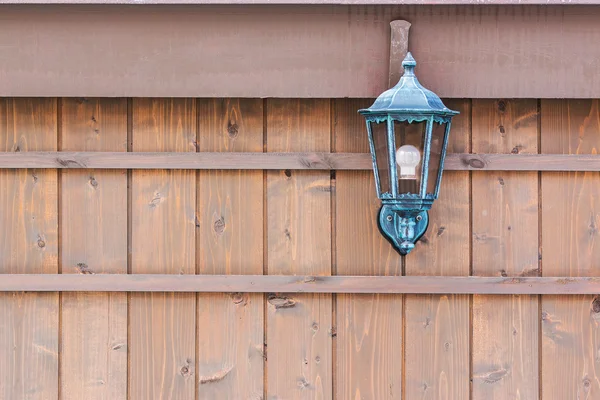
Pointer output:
297, 304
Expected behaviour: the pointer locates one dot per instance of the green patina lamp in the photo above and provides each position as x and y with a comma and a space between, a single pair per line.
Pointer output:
408, 128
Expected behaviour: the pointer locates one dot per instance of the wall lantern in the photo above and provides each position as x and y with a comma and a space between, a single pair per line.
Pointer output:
408, 129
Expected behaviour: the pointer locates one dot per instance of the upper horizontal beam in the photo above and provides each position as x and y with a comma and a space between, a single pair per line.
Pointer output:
309, 2
279, 161
463, 51
296, 284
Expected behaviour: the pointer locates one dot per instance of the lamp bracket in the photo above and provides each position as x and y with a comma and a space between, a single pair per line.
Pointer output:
401, 227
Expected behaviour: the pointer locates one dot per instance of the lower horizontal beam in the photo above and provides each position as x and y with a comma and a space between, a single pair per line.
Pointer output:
278, 161
296, 284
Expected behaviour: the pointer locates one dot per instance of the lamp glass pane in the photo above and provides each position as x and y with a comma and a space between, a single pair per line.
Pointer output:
379, 131
409, 140
437, 142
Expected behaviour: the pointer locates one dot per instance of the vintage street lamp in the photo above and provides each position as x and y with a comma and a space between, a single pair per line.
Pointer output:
408, 129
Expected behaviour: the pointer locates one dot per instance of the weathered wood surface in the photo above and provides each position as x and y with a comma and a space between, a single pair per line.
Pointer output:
230, 238
495, 285
28, 245
163, 325
437, 327
93, 215
288, 160
505, 243
299, 327
368, 326
571, 215
279, 51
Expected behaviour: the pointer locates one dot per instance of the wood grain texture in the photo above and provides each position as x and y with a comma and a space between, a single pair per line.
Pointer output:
299, 242
230, 241
571, 216
505, 243
289, 160
269, 50
369, 326
93, 215
162, 325
28, 245
437, 327
298, 284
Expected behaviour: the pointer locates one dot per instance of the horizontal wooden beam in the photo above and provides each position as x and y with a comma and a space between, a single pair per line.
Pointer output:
463, 51
278, 161
297, 284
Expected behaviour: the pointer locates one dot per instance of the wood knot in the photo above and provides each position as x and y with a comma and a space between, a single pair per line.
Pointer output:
502, 106
303, 384
232, 130
219, 226
239, 299
41, 243
84, 269
281, 301
186, 369
155, 200
596, 305
501, 181
288, 173
93, 182
586, 384
476, 163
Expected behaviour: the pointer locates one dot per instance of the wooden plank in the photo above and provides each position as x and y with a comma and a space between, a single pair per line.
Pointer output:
162, 325
299, 161
306, 2
437, 327
312, 51
93, 212
371, 369
299, 335
28, 245
230, 236
505, 243
299, 284
570, 218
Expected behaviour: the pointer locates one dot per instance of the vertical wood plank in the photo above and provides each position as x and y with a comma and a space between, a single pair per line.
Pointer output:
570, 220
505, 243
93, 217
28, 244
162, 325
299, 242
369, 327
230, 241
437, 327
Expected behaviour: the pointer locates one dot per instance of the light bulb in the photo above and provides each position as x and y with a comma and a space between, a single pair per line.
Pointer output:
407, 158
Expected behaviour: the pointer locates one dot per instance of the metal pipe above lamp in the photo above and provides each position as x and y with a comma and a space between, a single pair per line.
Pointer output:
408, 128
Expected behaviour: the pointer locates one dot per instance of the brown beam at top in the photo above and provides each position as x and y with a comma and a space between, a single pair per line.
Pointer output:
309, 2
280, 161
463, 51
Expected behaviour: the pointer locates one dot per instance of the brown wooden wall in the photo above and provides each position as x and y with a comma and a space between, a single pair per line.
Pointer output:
301, 346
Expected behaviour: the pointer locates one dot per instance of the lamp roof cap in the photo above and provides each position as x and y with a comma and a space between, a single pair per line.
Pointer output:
408, 96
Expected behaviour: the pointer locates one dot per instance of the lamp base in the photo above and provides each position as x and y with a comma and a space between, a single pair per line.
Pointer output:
402, 228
